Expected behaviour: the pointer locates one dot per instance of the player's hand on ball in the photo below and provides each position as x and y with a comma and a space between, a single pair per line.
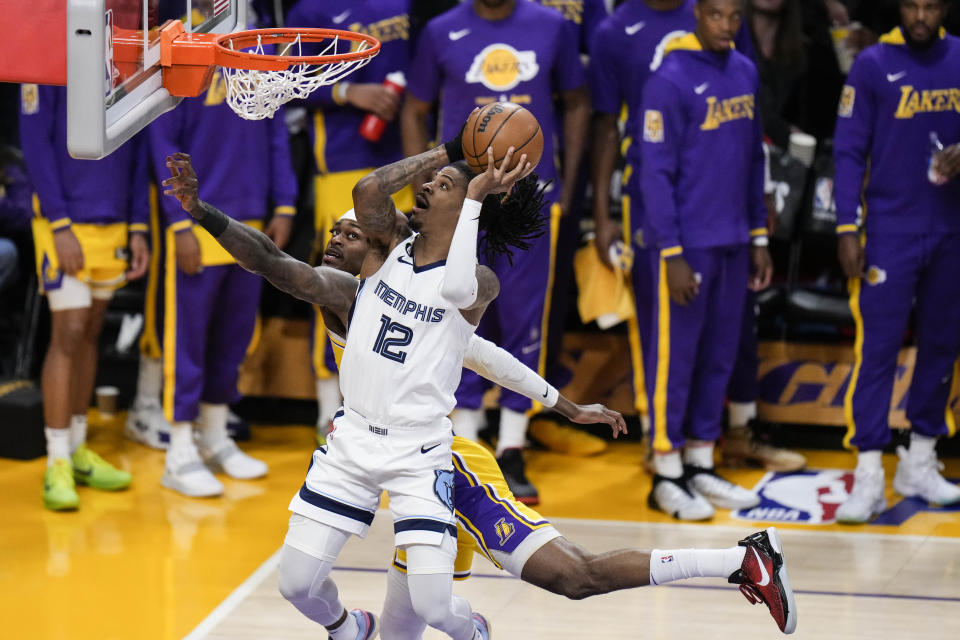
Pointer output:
498, 179
182, 183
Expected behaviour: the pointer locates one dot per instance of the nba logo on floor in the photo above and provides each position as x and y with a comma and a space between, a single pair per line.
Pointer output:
809, 497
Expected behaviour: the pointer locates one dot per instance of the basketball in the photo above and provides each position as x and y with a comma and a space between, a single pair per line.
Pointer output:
501, 125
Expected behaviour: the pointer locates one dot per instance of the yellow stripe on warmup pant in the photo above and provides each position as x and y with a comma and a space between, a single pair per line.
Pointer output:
853, 284
555, 212
640, 402
950, 418
170, 325
661, 441
150, 341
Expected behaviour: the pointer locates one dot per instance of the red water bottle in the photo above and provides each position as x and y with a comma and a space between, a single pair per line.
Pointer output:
373, 125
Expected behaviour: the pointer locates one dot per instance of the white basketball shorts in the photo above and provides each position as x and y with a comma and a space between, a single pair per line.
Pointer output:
412, 464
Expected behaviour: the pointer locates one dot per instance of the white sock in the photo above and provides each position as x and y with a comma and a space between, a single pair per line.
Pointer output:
58, 444
869, 461
679, 564
513, 430
467, 423
328, 399
741, 413
181, 435
346, 631
212, 425
78, 431
149, 383
668, 465
699, 453
921, 447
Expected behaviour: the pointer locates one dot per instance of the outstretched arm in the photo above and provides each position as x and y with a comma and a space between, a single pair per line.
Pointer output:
254, 251
499, 366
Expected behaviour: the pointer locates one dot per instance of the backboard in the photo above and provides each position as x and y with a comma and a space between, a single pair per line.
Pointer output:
114, 81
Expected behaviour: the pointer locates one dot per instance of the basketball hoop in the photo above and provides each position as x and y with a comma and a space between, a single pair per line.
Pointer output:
258, 83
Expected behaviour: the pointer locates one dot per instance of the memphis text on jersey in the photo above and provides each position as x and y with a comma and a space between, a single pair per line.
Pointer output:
398, 301
913, 101
723, 111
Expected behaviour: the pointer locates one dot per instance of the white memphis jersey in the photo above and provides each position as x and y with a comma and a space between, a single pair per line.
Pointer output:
405, 344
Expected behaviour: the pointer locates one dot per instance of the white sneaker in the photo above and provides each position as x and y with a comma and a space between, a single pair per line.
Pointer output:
185, 473
866, 499
719, 491
676, 497
235, 463
921, 478
147, 425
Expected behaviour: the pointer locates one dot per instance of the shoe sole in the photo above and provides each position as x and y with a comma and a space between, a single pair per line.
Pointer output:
66, 506
912, 494
131, 433
116, 486
791, 623
653, 504
175, 485
730, 504
873, 514
216, 467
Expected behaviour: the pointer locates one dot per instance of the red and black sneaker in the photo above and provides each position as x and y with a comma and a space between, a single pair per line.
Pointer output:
763, 578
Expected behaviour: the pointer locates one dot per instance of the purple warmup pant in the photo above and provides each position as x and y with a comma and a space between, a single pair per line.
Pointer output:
210, 325
691, 348
743, 379
925, 268
517, 319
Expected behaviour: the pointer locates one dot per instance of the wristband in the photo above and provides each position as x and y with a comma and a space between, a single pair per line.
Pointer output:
340, 93
454, 148
761, 241
213, 220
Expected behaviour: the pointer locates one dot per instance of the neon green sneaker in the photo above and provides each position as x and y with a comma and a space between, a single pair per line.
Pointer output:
59, 492
92, 470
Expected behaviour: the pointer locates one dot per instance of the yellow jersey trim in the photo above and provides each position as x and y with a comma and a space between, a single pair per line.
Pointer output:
846, 228
285, 210
760, 232
661, 442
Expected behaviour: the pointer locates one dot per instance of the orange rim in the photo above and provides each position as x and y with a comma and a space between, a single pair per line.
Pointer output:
231, 57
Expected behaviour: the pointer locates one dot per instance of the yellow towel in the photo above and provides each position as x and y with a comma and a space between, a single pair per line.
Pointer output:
605, 294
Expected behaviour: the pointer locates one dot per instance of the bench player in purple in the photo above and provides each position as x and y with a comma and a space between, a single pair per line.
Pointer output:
89, 213
903, 245
480, 52
702, 173
209, 302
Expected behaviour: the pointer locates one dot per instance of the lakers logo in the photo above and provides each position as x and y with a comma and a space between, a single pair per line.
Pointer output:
722, 111
52, 276
652, 126
913, 101
876, 275
500, 67
847, 98
504, 529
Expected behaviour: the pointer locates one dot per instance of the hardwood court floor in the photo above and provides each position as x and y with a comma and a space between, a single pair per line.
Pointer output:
149, 563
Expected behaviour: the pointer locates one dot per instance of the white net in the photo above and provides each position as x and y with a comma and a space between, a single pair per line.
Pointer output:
255, 95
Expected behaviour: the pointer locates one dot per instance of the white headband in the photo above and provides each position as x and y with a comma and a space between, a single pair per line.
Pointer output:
349, 215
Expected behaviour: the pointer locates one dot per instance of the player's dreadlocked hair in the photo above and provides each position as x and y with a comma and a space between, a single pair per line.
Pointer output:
512, 219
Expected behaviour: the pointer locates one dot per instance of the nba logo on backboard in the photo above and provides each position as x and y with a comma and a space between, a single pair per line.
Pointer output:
824, 207
808, 497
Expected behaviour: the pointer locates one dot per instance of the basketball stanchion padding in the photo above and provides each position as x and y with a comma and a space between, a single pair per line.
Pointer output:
258, 82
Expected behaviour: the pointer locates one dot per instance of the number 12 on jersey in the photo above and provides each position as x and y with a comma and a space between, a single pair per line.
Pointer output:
392, 335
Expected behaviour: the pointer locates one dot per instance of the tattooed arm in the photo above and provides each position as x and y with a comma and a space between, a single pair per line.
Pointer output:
255, 252
372, 200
